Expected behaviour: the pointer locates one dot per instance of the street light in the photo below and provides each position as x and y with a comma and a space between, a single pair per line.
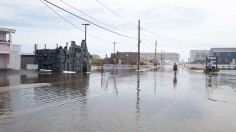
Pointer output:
85, 25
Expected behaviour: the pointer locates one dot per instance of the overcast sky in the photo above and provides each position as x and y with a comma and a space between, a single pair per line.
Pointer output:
177, 25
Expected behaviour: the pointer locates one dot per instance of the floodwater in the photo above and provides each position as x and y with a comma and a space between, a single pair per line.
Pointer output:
150, 101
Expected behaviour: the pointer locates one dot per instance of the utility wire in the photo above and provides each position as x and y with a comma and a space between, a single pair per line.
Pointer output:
166, 38
146, 46
93, 17
174, 39
178, 42
169, 42
89, 21
72, 23
116, 13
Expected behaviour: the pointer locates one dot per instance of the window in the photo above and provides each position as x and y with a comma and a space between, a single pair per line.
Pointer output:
228, 54
122, 61
217, 53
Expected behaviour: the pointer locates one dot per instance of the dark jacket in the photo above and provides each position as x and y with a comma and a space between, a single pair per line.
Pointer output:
175, 67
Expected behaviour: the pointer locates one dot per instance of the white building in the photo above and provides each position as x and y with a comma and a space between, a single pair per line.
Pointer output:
198, 55
161, 58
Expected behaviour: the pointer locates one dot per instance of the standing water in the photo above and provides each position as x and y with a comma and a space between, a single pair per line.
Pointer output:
153, 100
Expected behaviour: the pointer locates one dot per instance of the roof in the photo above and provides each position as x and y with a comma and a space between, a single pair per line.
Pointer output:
7, 30
27, 54
223, 49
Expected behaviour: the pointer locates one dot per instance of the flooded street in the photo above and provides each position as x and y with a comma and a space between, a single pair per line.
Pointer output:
153, 100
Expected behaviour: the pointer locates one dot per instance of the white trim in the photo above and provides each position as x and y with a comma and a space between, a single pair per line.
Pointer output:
8, 30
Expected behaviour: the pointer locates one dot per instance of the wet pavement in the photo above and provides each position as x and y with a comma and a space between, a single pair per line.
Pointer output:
153, 100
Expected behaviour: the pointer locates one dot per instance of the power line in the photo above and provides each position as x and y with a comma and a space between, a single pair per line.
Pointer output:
89, 21
93, 17
72, 23
166, 38
146, 46
178, 42
174, 39
116, 13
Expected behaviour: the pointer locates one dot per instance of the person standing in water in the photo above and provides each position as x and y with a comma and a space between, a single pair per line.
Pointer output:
209, 66
175, 68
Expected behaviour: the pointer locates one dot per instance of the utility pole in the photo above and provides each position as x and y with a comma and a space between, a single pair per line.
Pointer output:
85, 31
139, 44
161, 56
155, 61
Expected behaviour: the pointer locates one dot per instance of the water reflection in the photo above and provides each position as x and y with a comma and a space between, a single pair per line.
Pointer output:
113, 79
138, 108
5, 101
175, 80
209, 82
64, 88
107, 80
138, 90
155, 82
4, 81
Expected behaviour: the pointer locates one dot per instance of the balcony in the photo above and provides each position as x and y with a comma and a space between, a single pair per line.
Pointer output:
4, 47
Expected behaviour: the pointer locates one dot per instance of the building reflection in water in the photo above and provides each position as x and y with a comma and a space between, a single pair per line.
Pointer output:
5, 101
64, 87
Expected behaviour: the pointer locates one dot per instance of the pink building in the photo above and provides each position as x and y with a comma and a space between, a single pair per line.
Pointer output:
9, 53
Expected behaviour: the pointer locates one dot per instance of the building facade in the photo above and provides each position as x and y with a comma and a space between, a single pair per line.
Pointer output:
130, 58
161, 58
10, 55
224, 55
198, 56
27, 58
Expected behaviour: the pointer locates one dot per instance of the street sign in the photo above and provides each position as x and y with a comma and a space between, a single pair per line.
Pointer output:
211, 58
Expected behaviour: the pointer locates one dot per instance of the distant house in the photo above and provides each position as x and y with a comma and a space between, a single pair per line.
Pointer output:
128, 58
9, 53
224, 55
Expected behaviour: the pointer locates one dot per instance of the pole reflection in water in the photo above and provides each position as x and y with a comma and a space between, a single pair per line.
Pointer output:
138, 90
138, 109
155, 83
